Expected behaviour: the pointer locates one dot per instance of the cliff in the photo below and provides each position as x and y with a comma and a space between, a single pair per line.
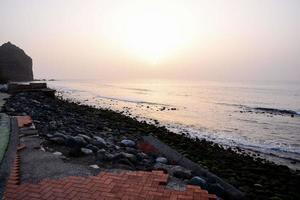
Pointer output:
15, 65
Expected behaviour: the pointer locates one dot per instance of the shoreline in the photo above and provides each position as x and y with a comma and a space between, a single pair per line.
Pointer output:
258, 178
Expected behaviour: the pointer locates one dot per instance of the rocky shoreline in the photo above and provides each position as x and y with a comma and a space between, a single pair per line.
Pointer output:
106, 139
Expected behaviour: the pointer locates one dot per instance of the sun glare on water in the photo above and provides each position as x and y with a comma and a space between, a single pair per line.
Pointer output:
152, 33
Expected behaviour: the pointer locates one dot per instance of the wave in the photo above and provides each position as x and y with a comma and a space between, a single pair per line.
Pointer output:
271, 149
277, 111
263, 109
132, 101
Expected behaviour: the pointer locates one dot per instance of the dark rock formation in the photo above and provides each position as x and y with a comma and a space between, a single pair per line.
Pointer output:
15, 65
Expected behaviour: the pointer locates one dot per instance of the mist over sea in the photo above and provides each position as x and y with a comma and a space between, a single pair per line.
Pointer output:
263, 117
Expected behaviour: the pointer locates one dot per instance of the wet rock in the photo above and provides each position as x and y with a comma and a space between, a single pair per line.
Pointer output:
162, 160
128, 143
196, 180
86, 151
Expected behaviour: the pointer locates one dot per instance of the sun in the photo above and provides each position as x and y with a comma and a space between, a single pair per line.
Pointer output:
152, 36
151, 33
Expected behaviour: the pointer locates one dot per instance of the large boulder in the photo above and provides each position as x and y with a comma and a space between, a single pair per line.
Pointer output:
15, 65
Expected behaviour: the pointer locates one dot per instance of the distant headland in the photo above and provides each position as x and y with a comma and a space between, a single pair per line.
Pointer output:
15, 64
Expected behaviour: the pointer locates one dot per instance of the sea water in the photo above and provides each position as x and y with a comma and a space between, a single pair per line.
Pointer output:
262, 117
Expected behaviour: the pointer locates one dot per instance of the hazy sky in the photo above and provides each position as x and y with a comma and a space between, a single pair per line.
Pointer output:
188, 39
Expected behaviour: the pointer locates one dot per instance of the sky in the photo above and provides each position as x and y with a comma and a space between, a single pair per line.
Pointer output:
164, 39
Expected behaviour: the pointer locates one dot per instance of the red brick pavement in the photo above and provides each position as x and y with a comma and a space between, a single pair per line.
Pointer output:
106, 186
24, 121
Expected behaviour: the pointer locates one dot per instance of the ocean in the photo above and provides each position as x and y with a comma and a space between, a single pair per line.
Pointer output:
260, 117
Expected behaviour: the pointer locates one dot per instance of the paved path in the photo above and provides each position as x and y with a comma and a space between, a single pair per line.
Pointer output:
110, 186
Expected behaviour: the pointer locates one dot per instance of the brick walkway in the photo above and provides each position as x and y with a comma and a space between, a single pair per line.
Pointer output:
125, 185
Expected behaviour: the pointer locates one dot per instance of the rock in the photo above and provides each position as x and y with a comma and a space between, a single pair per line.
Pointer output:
75, 142
128, 143
129, 156
94, 166
125, 161
87, 138
58, 153
57, 140
217, 189
75, 152
102, 151
164, 167
99, 139
258, 185
58, 134
131, 150
52, 125
102, 155
15, 65
180, 172
162, 160
275, 198
196, 180
86, 151
142, 156
99, 142
92, 147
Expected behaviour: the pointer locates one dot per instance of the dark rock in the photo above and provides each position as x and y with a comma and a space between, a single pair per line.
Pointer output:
92, 147
142, 156
131, 150
129, 156
196, 180
57, 140
163, 167
180, 172
75, 142
217, 189
15, 65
